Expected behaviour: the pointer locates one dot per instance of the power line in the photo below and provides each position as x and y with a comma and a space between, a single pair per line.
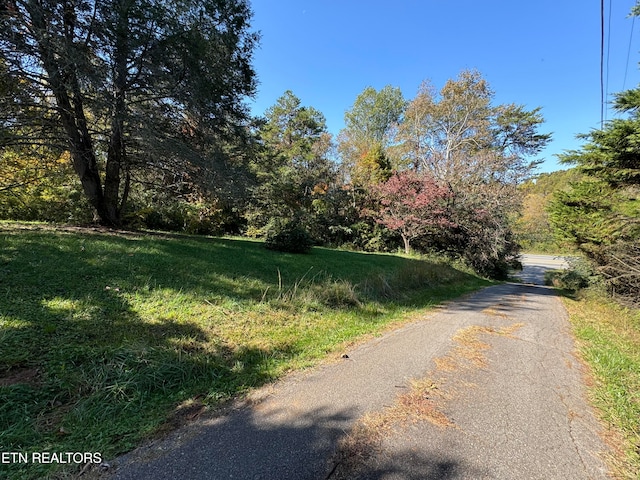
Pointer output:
626, 68
606, 84
601, 62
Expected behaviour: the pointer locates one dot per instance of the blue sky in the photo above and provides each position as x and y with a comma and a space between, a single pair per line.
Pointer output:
539, 54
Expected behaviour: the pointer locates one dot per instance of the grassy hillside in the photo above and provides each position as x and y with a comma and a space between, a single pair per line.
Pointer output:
107, 339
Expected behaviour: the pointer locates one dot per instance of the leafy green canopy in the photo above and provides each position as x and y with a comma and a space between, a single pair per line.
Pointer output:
458, 138
533, 228
370, 125
124, 85
293, 169
374, 114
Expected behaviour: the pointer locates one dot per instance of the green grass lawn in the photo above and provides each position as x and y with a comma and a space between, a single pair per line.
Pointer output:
109, 339
609, 341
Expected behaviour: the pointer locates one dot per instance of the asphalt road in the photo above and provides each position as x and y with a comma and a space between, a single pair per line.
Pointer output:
505, 378
534, 267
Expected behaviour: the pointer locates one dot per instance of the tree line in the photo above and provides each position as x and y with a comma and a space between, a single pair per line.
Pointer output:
133, 113
599, 214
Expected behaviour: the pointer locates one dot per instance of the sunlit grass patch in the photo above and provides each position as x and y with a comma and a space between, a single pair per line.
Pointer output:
609, 341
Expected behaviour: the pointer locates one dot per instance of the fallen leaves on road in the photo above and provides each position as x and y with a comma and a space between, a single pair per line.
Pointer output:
425, 400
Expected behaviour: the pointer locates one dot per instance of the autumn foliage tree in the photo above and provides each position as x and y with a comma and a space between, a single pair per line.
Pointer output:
533, 228
413, 205
482, 152
365, 141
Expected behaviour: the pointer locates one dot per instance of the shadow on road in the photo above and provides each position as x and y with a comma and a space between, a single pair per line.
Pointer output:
244, 443
532, 274
250, 443
502, 298
411, 465
530, 280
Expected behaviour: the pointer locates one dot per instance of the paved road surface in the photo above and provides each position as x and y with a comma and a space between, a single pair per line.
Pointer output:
534, 267
504, 377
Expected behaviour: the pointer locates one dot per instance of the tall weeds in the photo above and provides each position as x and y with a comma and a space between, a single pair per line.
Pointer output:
322, 289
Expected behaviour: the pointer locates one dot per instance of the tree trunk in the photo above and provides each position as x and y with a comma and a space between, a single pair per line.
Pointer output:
63, 81
407, 247
116, 154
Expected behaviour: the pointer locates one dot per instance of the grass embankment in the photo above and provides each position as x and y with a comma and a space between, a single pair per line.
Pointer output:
106, 340
609, 341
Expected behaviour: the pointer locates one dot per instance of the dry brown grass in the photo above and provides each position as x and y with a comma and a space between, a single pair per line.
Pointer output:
495, 312
363, 442
470, 347
424, 401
